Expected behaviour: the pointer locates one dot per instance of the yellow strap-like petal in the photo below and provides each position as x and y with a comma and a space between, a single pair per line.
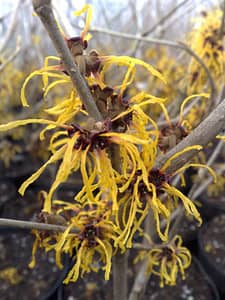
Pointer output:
198, 166
14, 124
188, 99
86, 8
190, 148
120, 137
55, 157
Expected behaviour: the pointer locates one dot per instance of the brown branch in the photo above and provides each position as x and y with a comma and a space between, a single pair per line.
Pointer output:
135, 37
33, 225
44, 10
140, 282
194, 188
221, 31
201, 135
120, 264
120, 261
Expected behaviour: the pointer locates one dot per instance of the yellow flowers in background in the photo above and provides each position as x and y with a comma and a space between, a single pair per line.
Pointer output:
207, 41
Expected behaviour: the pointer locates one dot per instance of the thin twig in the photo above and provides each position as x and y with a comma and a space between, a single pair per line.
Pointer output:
209, 163
33, 225
164, 18
9, 59
191, 6
135, 37
205, 184
44, 11
136, 46
140, 281
11, 26
200, 175
163, 42
221, 32
104, 14
197, 188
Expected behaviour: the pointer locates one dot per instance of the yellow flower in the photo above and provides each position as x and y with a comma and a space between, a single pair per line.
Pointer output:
171, 69
144, 191
89, 238
207, 42
167, 260
86, 150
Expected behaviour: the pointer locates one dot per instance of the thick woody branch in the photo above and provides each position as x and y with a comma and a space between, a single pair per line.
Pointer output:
201, 135
44, 10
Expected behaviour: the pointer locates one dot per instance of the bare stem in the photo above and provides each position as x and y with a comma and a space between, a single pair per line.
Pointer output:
10, 59
164, 18
33, 225
192, 194
120, 261
44, 10
201, 135
140, 281
221, 32
163, 42
11, 26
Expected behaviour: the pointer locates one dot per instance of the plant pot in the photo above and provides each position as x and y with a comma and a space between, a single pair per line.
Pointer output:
22, 207
68, 190
7, 192
92, 287
188, 229
39, 283
212, 206
21, 167
211, 244
197, 285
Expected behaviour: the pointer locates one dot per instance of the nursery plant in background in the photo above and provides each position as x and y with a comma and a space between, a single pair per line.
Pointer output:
129, 163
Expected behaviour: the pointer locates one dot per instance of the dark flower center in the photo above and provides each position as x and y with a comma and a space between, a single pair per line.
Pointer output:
89, 234
167, 253
157, 178
88, 138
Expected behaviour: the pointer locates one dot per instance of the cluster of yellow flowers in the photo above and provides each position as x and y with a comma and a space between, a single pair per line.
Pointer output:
207, 42
110, 209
